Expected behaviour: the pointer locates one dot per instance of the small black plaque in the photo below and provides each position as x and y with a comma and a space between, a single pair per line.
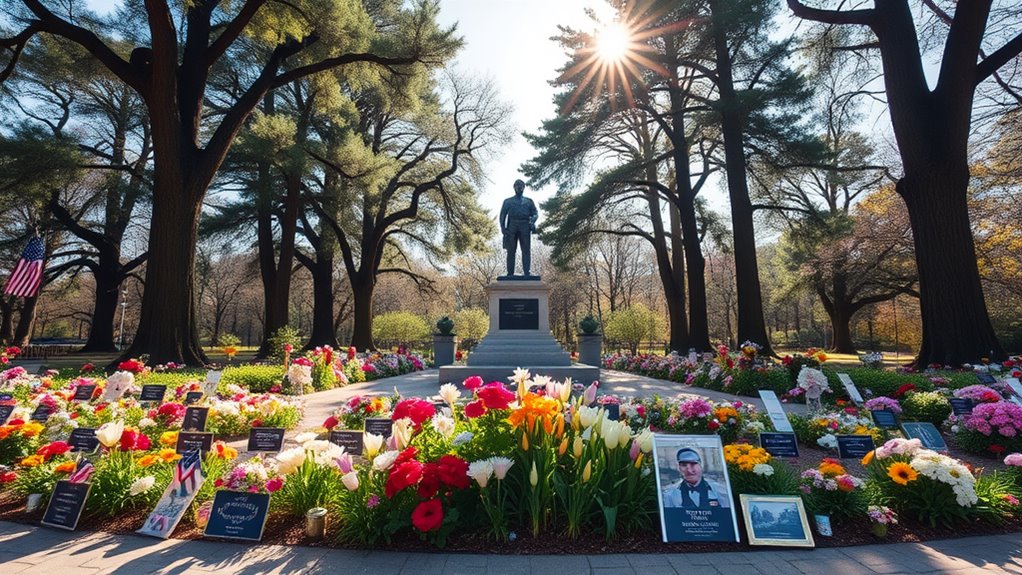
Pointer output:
961, 405
41, 413
350, 440
5, 412
191, 440
884, 418
985, 378
152, 392
66, 504
379, 426
84, 392
612, 411
519, 313
195, 419
926, 433
779, 444
83, 439
265, 438
238, 515
854, 446
192, 397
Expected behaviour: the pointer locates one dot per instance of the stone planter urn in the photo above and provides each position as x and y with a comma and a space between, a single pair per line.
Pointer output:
590, 342
444, 343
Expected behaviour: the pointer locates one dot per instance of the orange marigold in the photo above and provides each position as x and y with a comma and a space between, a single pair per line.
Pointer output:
902, 473
831, 467
66, 467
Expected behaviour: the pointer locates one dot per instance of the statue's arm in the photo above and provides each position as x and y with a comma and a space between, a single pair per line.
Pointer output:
533, 214
503, 216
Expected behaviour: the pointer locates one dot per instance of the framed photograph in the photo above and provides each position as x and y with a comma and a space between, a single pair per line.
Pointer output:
693, 489
776, 520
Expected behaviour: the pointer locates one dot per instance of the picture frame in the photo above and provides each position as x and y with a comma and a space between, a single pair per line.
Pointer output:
693, 489
776, 520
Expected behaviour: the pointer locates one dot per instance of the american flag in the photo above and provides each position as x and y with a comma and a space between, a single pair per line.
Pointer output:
28, 276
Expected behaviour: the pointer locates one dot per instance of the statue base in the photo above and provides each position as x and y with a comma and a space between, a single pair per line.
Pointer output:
518, 278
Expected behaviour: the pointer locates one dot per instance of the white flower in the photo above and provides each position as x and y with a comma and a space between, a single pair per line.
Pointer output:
480, 471
565, 390
763, 469
587, 416
307, 436
141, 485
350, 480
462, 438
117, 384
813, 381
645, 440
444, 425
290, 460
371, 444
109, 434
323, 452
383, 461
299, 374
547, 383
146, 422
755, 427
501, 465
520, 375
828, 441
611, 433
450, 393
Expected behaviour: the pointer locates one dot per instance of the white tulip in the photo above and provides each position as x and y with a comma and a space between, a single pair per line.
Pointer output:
109, 434
587, 416
371, 443
350, 480
383, 461
450, 393
481, 471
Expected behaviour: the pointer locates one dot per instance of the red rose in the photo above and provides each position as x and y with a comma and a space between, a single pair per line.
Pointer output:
473, 383
904, 389
401, 476
303, 361
495, 396
330, 423
407, 455
997, 449
132, 365
641, 410
454, 471
132, 440
475, 409
418, 410
428, 515
351, 353
713, 425
8, 477
429, 485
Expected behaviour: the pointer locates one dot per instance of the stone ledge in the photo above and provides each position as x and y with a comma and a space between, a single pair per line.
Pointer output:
580, 373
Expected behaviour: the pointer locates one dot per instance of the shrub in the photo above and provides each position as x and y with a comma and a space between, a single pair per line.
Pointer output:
400, 327
993, 428
830, 490
750, 381
926, 406
229, 339
471, 325
752, 470
631, 326
286, 335
255, 378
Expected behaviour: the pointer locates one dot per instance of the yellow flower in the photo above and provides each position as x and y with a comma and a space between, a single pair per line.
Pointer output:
147, 460
902, 473
31, 429
66, 467
525, 442
535, 407
168, 438
831, 468
587, 472
868, 458
168, 455
563, 447
32, 461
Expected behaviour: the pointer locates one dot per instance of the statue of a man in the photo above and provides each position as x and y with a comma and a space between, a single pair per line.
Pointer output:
518, 218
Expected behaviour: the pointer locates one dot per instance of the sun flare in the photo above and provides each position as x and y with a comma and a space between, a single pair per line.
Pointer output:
613, 42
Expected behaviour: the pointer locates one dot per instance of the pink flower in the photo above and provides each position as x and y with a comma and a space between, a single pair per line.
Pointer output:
274, 484
473, 383
1013, 460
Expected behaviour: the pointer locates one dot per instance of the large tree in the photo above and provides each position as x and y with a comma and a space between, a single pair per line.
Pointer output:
932, 128
180, 46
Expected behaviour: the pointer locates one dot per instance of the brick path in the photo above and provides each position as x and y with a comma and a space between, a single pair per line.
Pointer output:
37, 550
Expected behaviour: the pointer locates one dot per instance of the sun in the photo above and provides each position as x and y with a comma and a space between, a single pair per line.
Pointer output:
613, 42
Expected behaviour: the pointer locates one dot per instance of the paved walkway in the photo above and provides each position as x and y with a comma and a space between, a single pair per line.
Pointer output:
29, 549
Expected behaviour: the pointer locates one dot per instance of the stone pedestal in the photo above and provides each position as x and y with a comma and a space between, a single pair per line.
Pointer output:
443, 349
590, 348
519, 336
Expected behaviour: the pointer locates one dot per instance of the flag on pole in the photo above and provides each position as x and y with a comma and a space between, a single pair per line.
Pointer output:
28, 275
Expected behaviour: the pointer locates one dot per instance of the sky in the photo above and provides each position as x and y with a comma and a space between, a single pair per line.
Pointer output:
507, 41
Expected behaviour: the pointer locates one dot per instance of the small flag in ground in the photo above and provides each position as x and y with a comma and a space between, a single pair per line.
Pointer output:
28, 275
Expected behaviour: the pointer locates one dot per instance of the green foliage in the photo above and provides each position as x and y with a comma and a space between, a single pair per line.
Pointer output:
999, 495
229, 340
255, 378
471, 325
632, 326
926, 406
39, 479
400, 327
783, 481
311, 485
286, 335
111, 485
172, 379
749, 381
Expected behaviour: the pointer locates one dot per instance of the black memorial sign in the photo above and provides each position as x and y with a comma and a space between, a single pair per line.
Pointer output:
265, 439
349, 439
926, 433
66, 504
189, 440
84, 392
961, 405
192, 397
5, 412
884, 418
779, 444
379, 426
152, 392
854, 446
83, 439
985, 378
238, 515
519, 313
42, 413
195, 419
612, 411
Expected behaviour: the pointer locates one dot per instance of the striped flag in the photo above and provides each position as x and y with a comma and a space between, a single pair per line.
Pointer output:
28, 276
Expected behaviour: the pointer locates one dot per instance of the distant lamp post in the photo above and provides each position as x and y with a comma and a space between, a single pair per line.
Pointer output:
124, 303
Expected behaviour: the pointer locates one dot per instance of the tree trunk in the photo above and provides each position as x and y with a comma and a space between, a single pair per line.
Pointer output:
323, 301
104, 310
751, 326
23, 332
167, 325
6, 320
362, 287
956, 326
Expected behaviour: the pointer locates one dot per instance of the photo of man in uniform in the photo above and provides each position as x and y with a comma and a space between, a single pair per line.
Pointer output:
694, 491
695, 497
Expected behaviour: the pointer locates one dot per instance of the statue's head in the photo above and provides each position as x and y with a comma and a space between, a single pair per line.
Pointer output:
519, 187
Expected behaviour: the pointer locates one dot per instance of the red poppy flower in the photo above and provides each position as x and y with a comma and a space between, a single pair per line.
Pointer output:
429, 485
418, 410
454, 471
495, 396
53, 449
475, 409
473, 383
428, 515
401, 476
331, 422
407, 455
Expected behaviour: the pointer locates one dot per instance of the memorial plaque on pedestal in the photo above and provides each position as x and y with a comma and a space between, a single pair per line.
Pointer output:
379, 426
84, 392
779, 444
519, 313
349, 439
83, 439
66, 504
195, 419
266, 439
961, 405
41, 413
191, 440
152, 392
854, 446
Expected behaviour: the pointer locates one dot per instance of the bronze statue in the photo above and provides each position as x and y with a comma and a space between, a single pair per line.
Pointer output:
518, 218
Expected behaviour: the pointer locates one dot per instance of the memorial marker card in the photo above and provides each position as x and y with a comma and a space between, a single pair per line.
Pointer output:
266, 439
854, 446
84, 392
779, 444
349, 439
195, 419
775, 411
176, 498
379, 426
850, 389
238, 515
926, 433
66, 504
152, 392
